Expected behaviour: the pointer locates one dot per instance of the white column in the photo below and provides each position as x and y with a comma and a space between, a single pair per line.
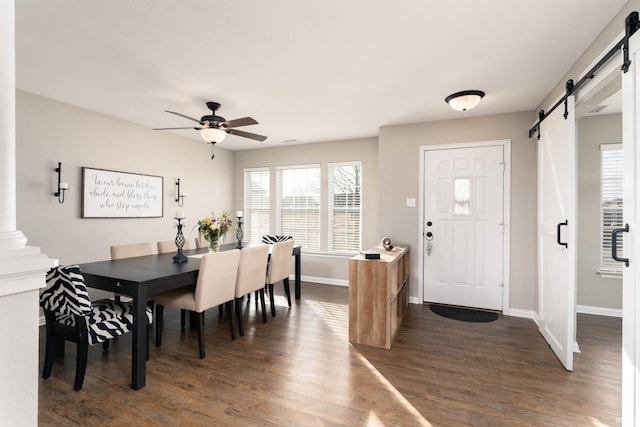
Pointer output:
22, 268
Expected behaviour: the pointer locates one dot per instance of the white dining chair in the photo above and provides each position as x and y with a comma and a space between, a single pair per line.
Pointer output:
216, 285
167, 246
201, 242
251, 277
132, 250
279, 268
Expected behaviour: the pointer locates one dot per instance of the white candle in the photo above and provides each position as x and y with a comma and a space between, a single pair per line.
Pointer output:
64, 186
239, 214
180, 214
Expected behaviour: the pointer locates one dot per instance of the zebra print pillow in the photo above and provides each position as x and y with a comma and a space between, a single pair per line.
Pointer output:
271, 239
66, 293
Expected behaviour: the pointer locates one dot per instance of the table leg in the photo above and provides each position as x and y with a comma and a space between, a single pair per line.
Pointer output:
138, 355
297, 275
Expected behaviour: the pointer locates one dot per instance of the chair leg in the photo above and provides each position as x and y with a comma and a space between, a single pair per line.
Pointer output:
239, 315
200, 328
81, 364
271, 300
49, 356
105, 346
232, 318
148, 338
285, 282
263, 306
183, 315
59, 347
256, 299
159, 313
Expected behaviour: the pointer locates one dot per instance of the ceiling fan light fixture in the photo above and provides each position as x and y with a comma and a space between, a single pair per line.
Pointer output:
465, 100
213, 134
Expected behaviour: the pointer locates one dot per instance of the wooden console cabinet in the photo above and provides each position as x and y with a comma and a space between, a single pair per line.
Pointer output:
378, 295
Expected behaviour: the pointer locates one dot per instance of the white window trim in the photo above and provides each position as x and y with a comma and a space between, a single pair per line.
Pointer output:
278, 204
330, 249
604, 270
246, 207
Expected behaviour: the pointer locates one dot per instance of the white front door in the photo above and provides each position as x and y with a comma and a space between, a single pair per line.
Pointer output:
557, 232
631, 242
463, 225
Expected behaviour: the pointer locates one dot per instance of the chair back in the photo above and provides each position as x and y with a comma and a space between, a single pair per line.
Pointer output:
252, 269
166, 246
132, 250
274, 238
280, 261
66, 294
201, 242
216, 279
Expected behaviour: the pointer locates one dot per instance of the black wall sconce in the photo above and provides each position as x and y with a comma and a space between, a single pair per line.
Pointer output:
62, 186
179, 195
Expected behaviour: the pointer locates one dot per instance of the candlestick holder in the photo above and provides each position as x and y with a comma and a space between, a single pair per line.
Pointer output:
239, 233
180, 257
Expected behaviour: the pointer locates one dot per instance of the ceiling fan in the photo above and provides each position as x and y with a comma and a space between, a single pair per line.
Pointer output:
214, 129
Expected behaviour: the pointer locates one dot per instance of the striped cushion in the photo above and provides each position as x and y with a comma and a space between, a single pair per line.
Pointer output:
66, 293
66, 296
270, 239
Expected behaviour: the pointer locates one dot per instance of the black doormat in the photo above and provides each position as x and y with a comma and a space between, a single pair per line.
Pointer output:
464, 314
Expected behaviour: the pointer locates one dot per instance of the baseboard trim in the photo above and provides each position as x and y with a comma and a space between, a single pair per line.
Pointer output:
527, 314
414, 300
321, 280
599, 311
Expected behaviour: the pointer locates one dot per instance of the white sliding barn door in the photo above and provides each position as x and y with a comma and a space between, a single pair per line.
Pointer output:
557, 231
631, 245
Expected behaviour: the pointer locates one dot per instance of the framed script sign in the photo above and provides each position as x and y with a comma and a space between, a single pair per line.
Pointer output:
112, 194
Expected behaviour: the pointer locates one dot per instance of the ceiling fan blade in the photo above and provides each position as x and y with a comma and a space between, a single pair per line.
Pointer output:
190, 127
246, 134
182, 115
245, 121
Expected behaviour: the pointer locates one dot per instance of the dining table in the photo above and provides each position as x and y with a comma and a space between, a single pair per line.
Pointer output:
142, 277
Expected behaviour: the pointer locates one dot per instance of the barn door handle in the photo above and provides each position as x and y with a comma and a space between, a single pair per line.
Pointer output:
614, 244
560, 224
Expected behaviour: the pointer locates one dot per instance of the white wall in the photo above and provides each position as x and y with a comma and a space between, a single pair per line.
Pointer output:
593, 290
49, 131
399, 175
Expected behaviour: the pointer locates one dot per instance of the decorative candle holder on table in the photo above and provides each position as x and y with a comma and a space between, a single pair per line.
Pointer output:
239, 233
180, 257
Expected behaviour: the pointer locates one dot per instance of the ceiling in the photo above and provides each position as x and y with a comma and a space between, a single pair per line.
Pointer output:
308, 71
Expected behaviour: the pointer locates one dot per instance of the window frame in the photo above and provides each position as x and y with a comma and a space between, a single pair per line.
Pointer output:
309, 242
608, 267
331, 242
249, 210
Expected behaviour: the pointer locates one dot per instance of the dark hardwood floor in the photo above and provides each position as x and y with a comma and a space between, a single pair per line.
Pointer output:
299, 369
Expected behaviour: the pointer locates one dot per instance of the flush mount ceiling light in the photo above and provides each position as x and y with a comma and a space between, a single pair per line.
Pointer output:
213, 134
465, 100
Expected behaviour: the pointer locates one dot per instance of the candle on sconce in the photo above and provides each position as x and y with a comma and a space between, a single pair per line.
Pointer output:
64, 186
180, 214
239, 214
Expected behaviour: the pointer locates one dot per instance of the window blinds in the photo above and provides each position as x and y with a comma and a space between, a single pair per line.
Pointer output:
611, 201
298, 204
257, 204
345, 206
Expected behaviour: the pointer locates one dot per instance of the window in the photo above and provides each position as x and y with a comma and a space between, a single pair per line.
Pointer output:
256, 204
610, 203
345, 190
298, 204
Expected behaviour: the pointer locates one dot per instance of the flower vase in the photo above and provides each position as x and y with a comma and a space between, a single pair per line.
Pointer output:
213, 247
